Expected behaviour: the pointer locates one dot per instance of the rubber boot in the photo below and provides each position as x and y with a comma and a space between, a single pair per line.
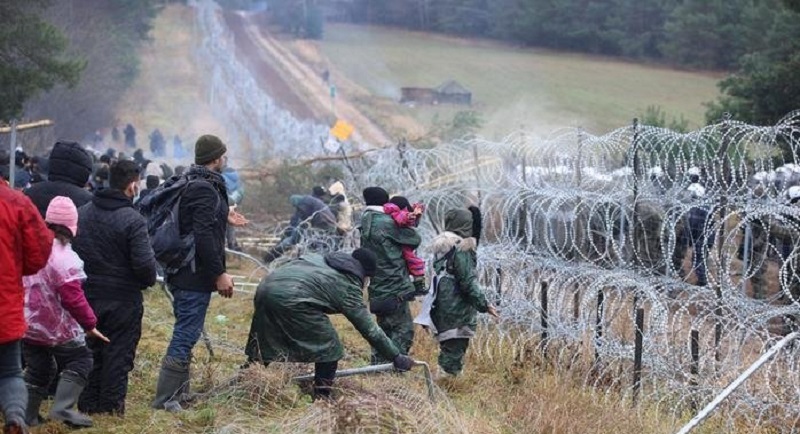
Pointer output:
35, 397
70, 386
173, 380
15, 426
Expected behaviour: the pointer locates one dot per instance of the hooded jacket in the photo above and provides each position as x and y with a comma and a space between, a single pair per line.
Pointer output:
459, 298
380, 234
25, 244
70, 168
114, 245
292, 306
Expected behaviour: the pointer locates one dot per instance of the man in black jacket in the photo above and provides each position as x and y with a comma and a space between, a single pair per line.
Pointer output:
70, 168
204, 213
119, 263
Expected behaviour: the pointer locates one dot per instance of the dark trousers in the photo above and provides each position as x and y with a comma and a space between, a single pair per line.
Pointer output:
399, 327
324, 374
190, 309
121, 322
41, 370
13, 393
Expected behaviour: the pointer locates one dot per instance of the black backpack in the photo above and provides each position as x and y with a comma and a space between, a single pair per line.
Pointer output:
161, 208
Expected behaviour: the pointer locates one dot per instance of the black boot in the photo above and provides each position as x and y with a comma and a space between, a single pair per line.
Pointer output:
35, 397
173, 381
324, 374
70, 386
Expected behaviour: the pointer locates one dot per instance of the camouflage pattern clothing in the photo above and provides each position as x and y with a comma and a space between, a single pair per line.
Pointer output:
292, 305
459, 298
391, 282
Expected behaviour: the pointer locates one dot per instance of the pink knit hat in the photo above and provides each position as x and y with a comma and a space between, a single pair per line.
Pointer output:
62, 211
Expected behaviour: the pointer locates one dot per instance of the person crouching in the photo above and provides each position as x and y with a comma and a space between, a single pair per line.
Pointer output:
292, 305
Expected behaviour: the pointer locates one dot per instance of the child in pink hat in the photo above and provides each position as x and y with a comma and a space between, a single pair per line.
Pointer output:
59, 318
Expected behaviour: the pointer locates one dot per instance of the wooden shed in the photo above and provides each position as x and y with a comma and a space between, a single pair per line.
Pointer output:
449, 92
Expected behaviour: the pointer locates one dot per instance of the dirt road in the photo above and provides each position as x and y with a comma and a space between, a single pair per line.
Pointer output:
297, 86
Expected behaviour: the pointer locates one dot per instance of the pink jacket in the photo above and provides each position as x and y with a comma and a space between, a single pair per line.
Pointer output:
403, 218
56, 309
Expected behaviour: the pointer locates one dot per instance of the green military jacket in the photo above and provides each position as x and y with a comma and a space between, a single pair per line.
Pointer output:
292, 305
380, 234
459, 298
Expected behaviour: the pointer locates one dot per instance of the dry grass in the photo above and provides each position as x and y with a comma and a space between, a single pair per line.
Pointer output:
171, 91
505, 389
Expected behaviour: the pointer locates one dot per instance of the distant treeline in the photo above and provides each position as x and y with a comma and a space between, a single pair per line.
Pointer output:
707, 34
105, 35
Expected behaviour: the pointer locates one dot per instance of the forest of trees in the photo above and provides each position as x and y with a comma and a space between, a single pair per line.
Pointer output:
70, 60
757, 41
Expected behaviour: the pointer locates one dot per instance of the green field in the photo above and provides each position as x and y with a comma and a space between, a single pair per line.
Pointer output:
514, 87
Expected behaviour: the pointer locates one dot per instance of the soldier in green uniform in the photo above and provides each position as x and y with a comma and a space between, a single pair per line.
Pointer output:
458, 297
390, 289
292, 305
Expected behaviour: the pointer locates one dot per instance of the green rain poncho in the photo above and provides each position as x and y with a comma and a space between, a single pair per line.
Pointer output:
459, 298
380, 234
292, 305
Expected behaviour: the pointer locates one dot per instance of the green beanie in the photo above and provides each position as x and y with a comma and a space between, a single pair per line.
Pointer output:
207, 149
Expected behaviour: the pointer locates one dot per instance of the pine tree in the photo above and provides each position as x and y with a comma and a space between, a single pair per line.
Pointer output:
31, 56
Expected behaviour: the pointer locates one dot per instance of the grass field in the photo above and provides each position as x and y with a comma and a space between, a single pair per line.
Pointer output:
513, 87
504, 393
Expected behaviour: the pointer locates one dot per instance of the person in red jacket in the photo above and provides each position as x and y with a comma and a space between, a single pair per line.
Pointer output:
25, 244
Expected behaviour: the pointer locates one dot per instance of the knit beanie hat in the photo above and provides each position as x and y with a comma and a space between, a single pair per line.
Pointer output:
401, 203
375, 196
207, 149
152, 181
367, 259
62, 211
318, 191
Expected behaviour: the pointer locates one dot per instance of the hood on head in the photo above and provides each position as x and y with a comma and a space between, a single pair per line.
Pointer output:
69, 162
344, 263
459, 222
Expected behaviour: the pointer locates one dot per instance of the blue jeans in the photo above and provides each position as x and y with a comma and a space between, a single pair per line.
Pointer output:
13, 393
190, 309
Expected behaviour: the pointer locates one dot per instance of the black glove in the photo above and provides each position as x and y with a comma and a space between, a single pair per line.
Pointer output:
403, 363
419, 286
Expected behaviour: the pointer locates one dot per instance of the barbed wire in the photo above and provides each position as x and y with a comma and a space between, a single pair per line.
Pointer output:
610, 225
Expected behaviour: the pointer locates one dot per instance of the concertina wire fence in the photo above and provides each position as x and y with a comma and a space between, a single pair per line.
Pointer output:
602, 222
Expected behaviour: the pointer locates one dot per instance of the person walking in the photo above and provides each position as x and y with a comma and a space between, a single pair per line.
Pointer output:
25, 245
204, 213
458, 298
119, 264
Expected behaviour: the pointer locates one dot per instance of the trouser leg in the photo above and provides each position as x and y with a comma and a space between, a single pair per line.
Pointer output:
13, 393
399, 327
451, 355
324, 374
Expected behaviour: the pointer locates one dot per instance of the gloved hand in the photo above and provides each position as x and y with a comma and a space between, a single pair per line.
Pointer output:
403, 363
419, 286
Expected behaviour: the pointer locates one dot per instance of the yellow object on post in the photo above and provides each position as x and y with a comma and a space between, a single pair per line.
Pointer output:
342, 130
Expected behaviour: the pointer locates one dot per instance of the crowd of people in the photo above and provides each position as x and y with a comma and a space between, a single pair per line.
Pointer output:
80, 248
